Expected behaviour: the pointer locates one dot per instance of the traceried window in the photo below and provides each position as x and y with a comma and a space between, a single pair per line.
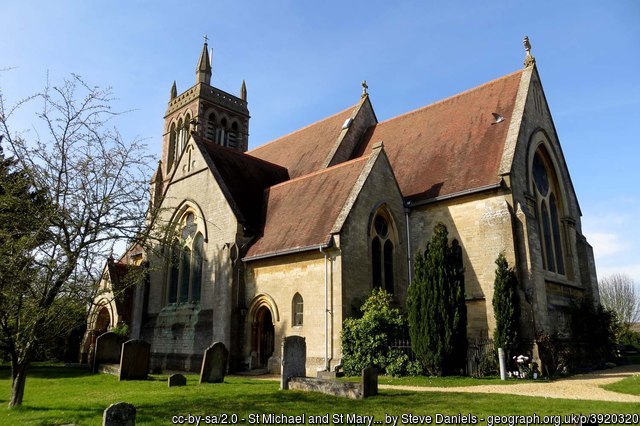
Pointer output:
546, 192
382, 252
297, 309
184, 269
172, 146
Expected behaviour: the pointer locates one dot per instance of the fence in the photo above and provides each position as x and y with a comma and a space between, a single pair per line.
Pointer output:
480, 355
404, 345
481, 358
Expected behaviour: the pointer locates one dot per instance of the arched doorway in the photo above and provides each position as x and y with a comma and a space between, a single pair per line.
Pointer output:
102, 321
264, 335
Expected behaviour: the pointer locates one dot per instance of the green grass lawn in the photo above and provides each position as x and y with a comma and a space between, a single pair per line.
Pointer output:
58, 395
630, 385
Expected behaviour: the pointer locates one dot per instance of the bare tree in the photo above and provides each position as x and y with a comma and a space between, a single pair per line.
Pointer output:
96, 184
618, 294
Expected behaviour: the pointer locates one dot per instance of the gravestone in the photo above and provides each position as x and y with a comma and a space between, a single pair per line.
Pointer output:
119, 414
369, 382
176, 380
294, 358
214, 363
108, 347
134, 361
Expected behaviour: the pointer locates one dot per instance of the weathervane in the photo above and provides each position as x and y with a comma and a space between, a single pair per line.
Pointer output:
364, 88
528, 59
206, 39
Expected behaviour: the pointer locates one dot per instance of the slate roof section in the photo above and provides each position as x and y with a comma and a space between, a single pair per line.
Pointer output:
246, 178
305, 151
301, 213
450, 146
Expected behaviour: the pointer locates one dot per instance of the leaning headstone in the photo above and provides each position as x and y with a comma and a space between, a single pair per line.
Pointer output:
119, 414
107, 350
369, 381
176, 380
294, 358
214, 363
134, 361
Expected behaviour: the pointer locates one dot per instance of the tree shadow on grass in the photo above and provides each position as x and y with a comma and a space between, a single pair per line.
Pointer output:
47, 372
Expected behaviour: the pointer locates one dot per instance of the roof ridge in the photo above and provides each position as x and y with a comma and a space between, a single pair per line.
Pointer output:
318, 172
449, 98
304, 128
239, 154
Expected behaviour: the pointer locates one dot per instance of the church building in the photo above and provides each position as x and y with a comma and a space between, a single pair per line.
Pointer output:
290, 237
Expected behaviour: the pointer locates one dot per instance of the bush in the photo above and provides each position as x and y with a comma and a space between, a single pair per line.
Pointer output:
366, 341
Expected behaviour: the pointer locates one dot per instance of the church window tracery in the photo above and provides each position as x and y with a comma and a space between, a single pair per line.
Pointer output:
382, 252
185, 263
546, 191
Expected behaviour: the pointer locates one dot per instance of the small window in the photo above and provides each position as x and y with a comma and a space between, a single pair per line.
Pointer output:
382, 253
297, 307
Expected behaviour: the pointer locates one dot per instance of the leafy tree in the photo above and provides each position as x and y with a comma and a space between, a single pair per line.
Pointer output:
436, 306
506, 307
618, 294
366, 341
96, 186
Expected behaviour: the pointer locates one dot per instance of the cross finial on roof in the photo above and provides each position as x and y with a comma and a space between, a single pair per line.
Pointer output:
206, 39
364, 88
528, 59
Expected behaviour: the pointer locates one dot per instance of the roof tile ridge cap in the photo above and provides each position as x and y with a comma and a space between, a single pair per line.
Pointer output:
318, 172
304, 128
449, 98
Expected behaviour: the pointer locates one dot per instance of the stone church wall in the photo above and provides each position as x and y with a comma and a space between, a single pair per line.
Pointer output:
179, 333
550, 293
281, 278
482, 225
379, 190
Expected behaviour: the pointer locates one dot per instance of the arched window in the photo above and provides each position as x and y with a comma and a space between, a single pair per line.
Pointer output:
297, 309
171, 157
546, 191
196, 274
185, 268
223, 133
174, 262
382, 252
233, 135
210, 132
180, 141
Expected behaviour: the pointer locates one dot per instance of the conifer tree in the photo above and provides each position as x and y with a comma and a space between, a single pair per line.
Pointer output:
436, 304
506, 307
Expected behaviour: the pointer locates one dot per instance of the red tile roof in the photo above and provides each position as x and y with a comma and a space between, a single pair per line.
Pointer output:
300, 213
246, 178
304, 151
449, 146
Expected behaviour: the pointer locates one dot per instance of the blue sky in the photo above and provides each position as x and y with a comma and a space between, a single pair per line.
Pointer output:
304, 60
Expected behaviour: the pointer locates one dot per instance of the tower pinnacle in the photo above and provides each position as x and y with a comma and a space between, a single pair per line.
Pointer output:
203, 70
243, 91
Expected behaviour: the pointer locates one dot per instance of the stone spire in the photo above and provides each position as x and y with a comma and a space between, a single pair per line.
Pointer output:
174, 91
528, 59
203, 70
243, 91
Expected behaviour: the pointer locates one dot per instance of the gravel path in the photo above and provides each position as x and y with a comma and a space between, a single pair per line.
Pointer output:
583, 386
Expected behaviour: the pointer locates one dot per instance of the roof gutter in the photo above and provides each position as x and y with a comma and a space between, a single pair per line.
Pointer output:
289, 251
455, 194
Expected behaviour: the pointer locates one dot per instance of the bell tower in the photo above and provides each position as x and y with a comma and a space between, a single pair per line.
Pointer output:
218, 116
